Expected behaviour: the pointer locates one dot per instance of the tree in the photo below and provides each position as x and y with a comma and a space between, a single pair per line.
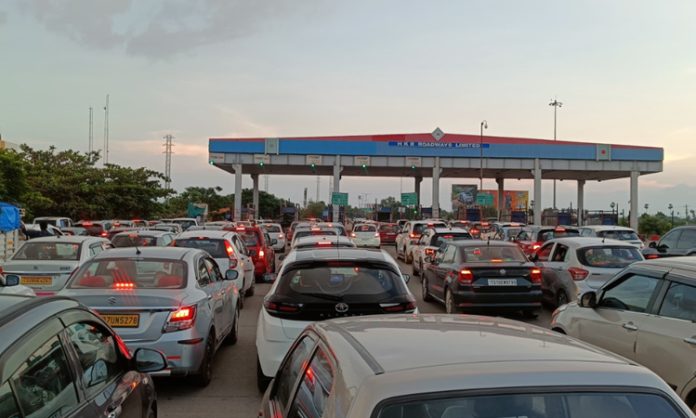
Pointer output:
313, 210
13, 177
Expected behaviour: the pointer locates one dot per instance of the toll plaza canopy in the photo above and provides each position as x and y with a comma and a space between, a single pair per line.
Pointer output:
436, 155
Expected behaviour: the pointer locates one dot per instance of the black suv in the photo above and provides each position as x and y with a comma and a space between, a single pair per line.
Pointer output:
59, 359
678, 241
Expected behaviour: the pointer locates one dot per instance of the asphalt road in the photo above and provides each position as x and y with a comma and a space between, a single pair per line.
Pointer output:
233, 393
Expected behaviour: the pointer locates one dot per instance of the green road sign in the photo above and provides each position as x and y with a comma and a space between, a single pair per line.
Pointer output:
409, 199
339, 199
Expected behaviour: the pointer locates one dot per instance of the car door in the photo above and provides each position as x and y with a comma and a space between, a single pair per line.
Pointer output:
228, 291
548, 273
244, 259
315, 386
666, 341
442, 269
668, 243
418, 248
212, 290
687, 242
623, 306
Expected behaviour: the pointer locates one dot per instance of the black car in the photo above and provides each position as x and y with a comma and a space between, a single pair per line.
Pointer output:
676, 242
482, 275
58, 359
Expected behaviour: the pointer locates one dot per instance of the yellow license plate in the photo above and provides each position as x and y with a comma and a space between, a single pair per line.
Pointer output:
36, 280
121, 321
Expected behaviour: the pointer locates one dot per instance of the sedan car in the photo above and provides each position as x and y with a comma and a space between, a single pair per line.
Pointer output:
484, 275
315, 285
430, 241
142, 238
44, 264
442, 366
365, 235
572, 266
646, 314
59, 359
174, 300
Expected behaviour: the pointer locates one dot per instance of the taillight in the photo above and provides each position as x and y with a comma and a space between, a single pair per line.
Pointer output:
124, 285
229, 250
577, 273
535, 246
535, 275
280, 308
180, 319
233, 262
412, 235
429, 251
1, 270
405, 307
104, 234
377, 234
262, 254
280, 236
352, 234
465, 276
649, 257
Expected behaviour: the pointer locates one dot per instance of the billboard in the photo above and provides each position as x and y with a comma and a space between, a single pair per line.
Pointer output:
512, 199
463, 195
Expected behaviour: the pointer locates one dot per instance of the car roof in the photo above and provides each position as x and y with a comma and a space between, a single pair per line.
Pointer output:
333, 253
74, 239
591, 242
450, 230
317, 238
144, 232
174, 253
207, 233
607, 227
482, 243
681, 263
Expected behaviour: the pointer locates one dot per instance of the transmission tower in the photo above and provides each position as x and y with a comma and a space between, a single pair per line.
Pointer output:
168, 160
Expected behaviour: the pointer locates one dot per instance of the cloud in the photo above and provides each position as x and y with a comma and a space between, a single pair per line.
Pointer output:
156, 147
160, 28
3, 17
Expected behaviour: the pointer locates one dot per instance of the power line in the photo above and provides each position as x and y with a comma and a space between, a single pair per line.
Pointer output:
168, 160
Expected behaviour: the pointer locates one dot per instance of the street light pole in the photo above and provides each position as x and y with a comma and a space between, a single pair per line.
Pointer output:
484, 125
671, 208
556, 104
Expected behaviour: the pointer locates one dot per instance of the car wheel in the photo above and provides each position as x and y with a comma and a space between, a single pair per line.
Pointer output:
233, 336
262, 381
530, 313
561, 298
420, 270
250, 291
424, 290
152, 411
450, 306
205, 373
408, 259
414, 271
241, 300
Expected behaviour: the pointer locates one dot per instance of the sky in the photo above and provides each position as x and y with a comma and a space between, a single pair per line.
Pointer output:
625, 71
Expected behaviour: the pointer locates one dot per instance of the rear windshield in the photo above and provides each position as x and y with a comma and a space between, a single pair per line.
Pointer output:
250, 239
92, 228
547, 235
120, 241
439, 239
48, 251
272, 228
492, 253
340, 281
388, 228
418, 228
365, 228
185, 224
609, 257
309, 232
619, 235
214, 247
126, 274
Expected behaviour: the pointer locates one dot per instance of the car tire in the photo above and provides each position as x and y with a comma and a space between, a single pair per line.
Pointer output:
561, 298
262, 381
205, 372
233, 336
407, 259
450, 305
530, 313
424, 290
414, 271
152, 411
250, 291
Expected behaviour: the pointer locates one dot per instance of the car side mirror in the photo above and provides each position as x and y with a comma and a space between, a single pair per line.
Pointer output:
407, 277
148, 360
269, 277
231, 274
588, 299
11, 280
652, 244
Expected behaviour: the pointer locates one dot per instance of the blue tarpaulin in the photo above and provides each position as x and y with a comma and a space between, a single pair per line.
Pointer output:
9, 217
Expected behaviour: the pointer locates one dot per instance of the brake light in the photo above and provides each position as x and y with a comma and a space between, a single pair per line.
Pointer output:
535, 275
429, 251
280, 236
124, 285
323, 243
261, 254
535, 246
180, 319
377, 234
279, 307
406, 307
465, 276
104, 234
352, 234
229, 250
577, 273
649, 257
474, 231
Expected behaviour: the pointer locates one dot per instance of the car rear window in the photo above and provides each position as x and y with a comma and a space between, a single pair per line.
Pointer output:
608, 257
120, 241
492, 253
439, 239
130, 274
185, 223
388, 228
309, 232
272, 228
92, 228
418, 228
558, 233
214, 247
250, 239
48, 251
365, 228
619, 235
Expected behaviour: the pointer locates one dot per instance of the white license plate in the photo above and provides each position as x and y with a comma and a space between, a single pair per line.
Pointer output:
502, 282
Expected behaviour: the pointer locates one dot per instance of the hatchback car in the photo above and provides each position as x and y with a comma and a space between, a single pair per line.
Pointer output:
259, 245
365, 235
483, 275
440, 366
532, 237
430, 241
646, 314
388, 232
620, 233
59, 359
44, 264
410, 234
142, 238
322, 241
315, 285
174, 300
275, 231
95, 228
572, 266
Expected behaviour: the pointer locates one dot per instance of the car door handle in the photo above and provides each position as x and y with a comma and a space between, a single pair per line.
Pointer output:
690, 340
629, 326
114, 411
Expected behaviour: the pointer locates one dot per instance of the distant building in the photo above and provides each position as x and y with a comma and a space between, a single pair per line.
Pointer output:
8, 145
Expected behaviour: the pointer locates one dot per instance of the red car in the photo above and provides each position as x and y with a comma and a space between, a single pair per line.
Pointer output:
388, 232
531, 237
259, 244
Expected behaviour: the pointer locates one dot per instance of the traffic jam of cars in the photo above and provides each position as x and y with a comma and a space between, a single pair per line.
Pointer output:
96, 313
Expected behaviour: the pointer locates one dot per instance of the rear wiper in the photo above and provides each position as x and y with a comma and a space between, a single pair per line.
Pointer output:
324, 296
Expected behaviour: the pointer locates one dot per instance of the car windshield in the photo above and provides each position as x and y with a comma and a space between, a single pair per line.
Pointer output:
418, 228
128, 274
214, 247
492, 253
272, 229
586, 404
388, 228
609, 257
48, 251
439, 239
120, 241
619, 235
250, 239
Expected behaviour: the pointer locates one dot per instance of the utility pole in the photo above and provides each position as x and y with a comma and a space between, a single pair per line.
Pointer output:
265, 183
91, 133
106, 131
318, 181
556, 104
168, 160
484, 125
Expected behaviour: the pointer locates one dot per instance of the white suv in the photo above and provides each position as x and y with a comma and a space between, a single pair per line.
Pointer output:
410, 234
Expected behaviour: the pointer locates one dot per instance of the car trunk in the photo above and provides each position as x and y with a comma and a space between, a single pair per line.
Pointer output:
598, 276
501, 278
365, 235
42, 275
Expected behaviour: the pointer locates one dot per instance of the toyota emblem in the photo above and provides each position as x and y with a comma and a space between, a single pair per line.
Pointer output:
341, 307
502, 272
111, 300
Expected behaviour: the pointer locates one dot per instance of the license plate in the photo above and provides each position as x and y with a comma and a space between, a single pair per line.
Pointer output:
36, 280
502, 282
121, 321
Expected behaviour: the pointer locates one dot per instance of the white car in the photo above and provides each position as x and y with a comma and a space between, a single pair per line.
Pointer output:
44, 264
313, 285
366, 235
322, 241
229, 252
621, 233
275, 231
410, 234
9, 285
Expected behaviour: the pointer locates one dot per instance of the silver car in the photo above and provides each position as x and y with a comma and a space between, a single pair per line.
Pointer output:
572, 266
44, 264
444, 366
174, 300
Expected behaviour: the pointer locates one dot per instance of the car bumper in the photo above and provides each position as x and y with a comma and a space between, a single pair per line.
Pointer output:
366, 242
184, 351
260, 268
516, 300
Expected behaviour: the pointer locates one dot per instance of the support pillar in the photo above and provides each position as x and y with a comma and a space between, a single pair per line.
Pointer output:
416, 188
501, 197
237, 191
335, 216
581, 202
436, 188
537, 192
255, 198
633, 219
